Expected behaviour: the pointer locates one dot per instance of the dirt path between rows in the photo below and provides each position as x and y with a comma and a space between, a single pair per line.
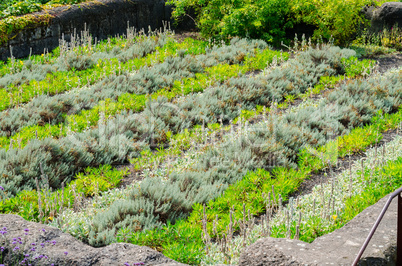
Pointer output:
384, 64
387, 62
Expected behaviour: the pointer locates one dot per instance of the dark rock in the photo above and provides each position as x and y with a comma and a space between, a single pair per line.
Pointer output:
368, 12
387, 16
78, 252
337, 248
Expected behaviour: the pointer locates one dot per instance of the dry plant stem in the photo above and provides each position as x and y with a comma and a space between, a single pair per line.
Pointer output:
205, 236
39, 200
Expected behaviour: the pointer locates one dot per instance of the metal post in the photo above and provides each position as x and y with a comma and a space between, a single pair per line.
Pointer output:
399, 232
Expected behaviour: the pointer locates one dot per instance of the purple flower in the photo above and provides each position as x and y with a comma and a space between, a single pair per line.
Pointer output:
53, 242
1, 188
33, 249
20, 242
16, 248
52, 264
46, 257
19, 238
2, 249
127, 264
65, 252
41, 256
3, 232
33, 244
26, 233
42, 244
14, 239
138, 263
43, 230
14, 242
26, 230
26, 255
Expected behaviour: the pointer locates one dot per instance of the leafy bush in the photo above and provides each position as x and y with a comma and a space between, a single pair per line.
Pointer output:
269, 19
20, 8
339, 19
220, 19
17, 7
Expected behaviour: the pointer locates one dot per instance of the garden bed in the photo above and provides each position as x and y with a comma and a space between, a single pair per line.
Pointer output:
214, 135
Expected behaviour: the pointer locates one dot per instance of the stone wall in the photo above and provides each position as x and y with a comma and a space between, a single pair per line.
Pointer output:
337, 248
64, 249
102, 18
387, 16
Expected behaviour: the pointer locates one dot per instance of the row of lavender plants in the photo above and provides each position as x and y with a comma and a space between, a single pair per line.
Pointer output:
329, 206
177, 191
258, 180
52, 109
232, 97
80, 119
74, 156
80, 62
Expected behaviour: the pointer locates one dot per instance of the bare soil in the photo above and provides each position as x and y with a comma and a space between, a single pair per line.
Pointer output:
343, 164
387, 62
384, 64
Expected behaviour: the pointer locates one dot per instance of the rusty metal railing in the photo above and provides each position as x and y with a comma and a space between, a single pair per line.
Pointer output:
397, 193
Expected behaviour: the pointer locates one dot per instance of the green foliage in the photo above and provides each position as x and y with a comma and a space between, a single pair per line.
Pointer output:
95, 180
54, 107
269, 19
384, 41
20, 8
11, 26
251, 193
221, 166
17, 8
338, 19
220, 19
91, 182
386, 179
354, 67
60, 72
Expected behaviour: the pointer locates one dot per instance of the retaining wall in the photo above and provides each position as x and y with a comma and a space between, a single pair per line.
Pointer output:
102, 18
